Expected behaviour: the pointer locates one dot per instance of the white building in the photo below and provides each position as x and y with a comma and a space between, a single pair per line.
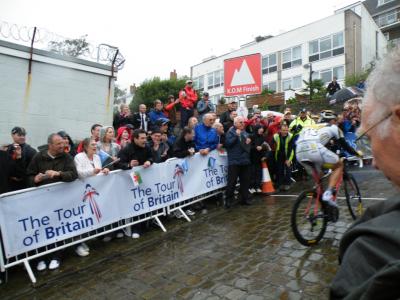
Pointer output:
341, 44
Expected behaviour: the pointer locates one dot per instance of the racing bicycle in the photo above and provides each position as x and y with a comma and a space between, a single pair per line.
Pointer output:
310, 215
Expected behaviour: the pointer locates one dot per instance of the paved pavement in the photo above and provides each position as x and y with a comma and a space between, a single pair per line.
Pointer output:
242, 253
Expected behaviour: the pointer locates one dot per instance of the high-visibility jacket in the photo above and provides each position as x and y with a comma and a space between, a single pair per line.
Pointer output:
298, 124
289, 153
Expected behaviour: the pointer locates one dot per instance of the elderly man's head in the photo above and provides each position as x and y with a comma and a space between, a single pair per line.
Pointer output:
238, 122
218, 126
209, 119
381, 115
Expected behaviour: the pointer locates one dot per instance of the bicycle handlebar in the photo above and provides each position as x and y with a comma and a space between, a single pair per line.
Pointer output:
355, 158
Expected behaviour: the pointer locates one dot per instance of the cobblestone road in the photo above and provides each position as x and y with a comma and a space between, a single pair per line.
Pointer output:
243, 253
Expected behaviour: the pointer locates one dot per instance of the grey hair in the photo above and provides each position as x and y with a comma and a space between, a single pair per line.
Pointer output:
206, 116
51, 137
237, 119
383, 87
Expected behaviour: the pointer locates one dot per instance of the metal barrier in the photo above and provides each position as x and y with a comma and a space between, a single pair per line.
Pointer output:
26, 257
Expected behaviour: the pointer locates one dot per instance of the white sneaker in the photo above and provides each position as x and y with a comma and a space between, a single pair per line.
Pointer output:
120, 235
54, 264
135, 235
85, 246
107, 238
41, 266
80, 250
328, 198
252, 191
258, 190
190, 212
178, 214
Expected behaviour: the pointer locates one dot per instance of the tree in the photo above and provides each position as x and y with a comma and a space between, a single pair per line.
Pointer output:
318, 88
156, 88
70, 47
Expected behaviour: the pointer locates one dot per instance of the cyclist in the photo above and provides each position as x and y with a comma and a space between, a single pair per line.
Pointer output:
311, 146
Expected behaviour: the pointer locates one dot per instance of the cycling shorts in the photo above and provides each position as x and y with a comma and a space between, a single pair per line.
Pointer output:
317, 153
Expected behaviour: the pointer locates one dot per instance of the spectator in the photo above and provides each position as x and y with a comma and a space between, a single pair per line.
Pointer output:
224, 117
170, 109
106, 148
284, 154
159, 149
94, 135
192, 122
229, 122
141, 119
287, 118
333, 87
137, 153
205, 137
204, 106
123, 118
369, 251
361, 84
18, 135
123, 137
48, 166
255, 120
273, 124
238, 147
184, 145
69, 146
221, 134
11, 167
88, 164
157, 112
259, 151
300, 122
187, 99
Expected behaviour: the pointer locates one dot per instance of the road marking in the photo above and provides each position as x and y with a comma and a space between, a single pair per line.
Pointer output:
362, 198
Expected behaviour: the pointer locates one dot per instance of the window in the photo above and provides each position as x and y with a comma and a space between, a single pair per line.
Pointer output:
382, 2
210, 77
291, 57
215, 79
272, 86
269, 64
388, 18
201, 83
327, 75
325, 47
294, 83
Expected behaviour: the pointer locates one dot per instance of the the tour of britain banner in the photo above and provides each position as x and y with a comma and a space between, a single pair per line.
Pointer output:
33, 218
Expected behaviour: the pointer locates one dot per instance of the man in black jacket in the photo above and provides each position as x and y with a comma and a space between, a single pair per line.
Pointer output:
18, 135
224, 117
333, 87
10, 167
369, 250
184, 145
141, 119
136, 153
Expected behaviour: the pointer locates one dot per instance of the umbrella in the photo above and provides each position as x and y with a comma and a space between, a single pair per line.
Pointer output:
345, 94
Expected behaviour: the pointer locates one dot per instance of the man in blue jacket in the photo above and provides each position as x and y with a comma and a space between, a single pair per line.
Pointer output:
206, 138
238, 144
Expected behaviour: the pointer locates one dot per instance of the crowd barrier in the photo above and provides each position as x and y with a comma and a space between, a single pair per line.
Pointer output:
37, 221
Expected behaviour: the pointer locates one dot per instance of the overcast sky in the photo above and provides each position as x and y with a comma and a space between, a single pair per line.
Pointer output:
158, 36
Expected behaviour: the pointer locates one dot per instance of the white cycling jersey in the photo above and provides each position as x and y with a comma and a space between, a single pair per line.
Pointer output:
321, 133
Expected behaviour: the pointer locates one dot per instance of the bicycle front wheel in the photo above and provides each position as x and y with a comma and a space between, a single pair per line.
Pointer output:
308, 220
353, 197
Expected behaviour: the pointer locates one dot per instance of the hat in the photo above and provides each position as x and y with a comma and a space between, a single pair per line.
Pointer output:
256, 111
189, 81
162, 121
63, 134
206, 94
303, 110
287, 112
233, 100
18, 130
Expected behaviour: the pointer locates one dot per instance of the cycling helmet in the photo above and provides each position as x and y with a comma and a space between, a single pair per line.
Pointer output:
327, 115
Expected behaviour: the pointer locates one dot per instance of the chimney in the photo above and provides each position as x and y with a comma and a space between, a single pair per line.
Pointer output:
173, 75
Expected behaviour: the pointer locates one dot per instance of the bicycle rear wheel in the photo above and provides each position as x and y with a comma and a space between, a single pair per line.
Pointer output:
308, 219
353, 197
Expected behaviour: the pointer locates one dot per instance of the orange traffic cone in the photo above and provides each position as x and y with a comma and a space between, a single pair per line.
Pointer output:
267, 187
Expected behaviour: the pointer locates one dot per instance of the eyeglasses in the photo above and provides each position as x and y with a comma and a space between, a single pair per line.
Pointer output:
373, 126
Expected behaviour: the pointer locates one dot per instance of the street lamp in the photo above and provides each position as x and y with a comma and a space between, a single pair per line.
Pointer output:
309, 66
